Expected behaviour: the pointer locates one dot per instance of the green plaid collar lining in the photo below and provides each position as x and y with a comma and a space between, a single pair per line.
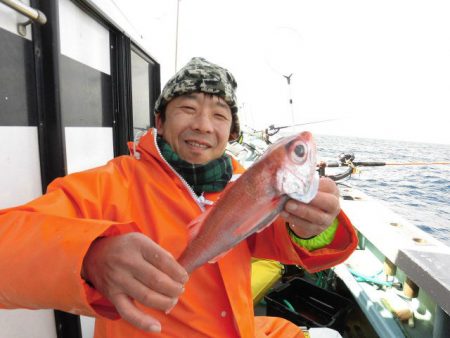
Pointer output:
210, 177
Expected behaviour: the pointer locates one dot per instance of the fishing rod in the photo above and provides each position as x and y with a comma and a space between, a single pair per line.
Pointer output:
347, 160
380, 164
272, 130
418, 163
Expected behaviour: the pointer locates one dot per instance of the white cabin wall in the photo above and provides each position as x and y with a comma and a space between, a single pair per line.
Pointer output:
20, 174
88, 147
86, 41
20, 178
89, 35
27, 324
151, 24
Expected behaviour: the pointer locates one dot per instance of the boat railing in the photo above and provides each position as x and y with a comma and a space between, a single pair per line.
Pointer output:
34, 15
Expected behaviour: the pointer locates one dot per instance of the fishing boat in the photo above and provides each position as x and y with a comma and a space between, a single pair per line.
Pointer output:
78, 79
395, 284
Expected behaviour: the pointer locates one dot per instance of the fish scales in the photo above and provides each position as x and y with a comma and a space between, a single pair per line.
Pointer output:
254, 201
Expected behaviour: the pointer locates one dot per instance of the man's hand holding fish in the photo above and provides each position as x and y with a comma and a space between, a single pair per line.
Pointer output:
311, 219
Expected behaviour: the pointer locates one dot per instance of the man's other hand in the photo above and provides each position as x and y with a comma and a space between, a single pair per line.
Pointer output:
131, 267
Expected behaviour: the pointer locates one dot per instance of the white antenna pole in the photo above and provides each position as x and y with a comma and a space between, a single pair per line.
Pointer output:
176, 36
291, 103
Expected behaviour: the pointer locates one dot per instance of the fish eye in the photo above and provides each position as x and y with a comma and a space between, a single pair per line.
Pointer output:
299, 150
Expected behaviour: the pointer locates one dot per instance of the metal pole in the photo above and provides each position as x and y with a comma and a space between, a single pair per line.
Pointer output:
291, 105
291, 102
31, 13
176, 36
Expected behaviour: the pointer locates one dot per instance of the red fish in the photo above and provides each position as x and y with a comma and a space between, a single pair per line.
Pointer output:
254, 201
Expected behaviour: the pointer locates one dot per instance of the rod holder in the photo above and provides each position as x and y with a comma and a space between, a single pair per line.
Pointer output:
410, 289
390, 269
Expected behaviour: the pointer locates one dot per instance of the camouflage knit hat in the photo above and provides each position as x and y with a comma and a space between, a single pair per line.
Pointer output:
200, 75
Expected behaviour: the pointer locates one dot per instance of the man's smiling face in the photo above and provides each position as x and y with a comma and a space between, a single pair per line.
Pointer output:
197, 127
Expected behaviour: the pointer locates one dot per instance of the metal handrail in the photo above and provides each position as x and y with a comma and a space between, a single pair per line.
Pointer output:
31, 13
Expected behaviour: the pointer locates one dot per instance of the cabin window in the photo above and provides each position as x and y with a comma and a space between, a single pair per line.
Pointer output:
143, 89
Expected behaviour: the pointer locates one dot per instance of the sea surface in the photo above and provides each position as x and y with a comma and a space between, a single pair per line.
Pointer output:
419, 193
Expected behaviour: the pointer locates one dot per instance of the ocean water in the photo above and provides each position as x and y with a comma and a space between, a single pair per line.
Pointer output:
420, 194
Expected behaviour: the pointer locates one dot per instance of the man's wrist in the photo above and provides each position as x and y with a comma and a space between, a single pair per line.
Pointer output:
315, 242
86, 261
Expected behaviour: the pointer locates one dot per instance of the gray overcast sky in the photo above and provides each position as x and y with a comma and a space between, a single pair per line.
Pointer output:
381, 68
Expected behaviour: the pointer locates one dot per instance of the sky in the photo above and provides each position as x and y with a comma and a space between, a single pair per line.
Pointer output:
376, 69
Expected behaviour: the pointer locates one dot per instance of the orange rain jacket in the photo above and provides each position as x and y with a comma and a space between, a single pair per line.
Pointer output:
42, 245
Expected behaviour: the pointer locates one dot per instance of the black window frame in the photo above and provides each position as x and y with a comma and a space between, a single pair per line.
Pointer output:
52, 150
154, 82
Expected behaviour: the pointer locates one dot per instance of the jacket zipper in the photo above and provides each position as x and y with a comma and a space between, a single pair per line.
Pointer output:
188, 187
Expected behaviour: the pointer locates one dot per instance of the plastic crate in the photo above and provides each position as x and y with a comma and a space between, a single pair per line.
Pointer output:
306, 304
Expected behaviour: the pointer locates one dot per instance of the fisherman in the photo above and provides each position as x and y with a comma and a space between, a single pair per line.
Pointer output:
105, 242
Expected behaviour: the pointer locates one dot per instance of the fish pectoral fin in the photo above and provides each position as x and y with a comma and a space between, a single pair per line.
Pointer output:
196, 224
264, 227
263, 217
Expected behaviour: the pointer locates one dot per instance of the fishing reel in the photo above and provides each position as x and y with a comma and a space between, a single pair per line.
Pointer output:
345, 160
272, 130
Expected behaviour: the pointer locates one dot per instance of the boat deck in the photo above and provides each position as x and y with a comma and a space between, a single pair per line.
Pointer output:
425, 260
416, 255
